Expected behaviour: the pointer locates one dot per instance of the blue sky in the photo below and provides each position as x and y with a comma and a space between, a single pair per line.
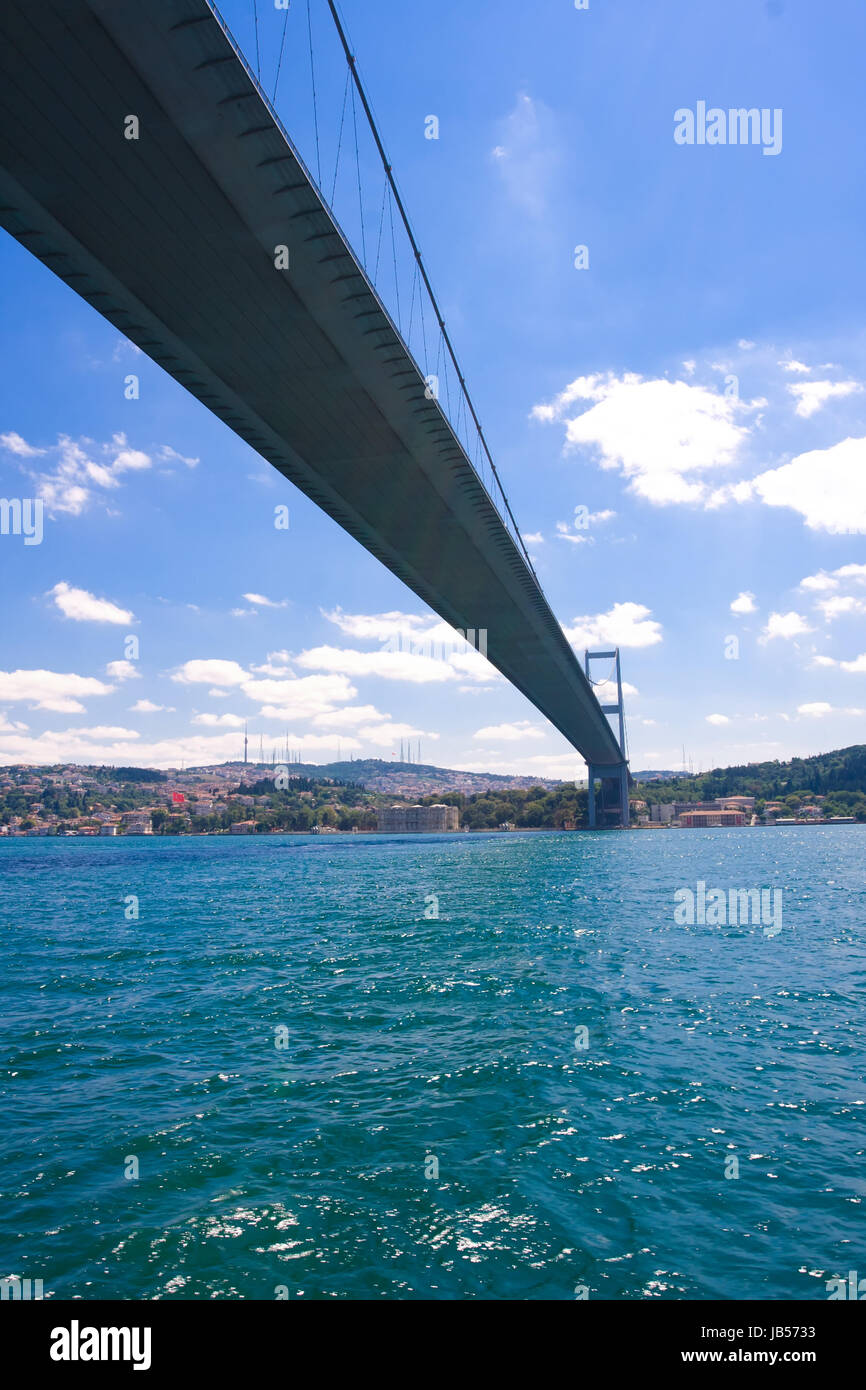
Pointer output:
698, 390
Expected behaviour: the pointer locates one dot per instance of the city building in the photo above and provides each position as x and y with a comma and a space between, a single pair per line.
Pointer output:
401, 820
703, 820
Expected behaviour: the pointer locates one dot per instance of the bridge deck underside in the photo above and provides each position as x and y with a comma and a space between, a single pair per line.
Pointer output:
172, 238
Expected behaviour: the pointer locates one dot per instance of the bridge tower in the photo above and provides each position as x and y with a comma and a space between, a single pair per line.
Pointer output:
617, 773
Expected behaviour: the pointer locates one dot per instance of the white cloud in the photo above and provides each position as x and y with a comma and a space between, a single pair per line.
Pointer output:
260, 601
841, 606
350, 717
509, 733
79, 470
811, 396
301, 697
386, 735
791, 364
605, 691
717, 719
526, 155
567, 766
14, 444
823, 583
744, 603
73, 745
83, 607
11, 726
826, 486
856, 667
381, 627
210, 672
101, 731
815, 710
145, 707
220, 721
397, 666
533, 538
658, 433
624, 625
819, 583
169, 455
421, 649
122, 671
50, 690
583, 518
278, 664
785, 625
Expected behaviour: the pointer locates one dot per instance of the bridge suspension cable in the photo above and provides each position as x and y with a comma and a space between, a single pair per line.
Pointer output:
449, 362
395, 192
282, 47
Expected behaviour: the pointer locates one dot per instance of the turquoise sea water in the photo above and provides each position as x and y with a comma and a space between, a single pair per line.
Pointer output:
411, 1038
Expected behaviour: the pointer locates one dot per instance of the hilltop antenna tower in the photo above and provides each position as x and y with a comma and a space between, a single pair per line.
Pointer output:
245, 745
618, 771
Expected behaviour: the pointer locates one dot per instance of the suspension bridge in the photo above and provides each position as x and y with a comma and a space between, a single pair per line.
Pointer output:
142, 162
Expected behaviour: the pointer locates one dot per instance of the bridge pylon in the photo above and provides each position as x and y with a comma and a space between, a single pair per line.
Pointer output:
614, 772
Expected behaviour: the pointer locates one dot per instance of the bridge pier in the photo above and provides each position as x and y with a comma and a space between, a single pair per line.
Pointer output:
614, 771
617, 773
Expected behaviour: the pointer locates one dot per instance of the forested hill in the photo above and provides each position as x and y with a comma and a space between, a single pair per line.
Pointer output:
843, 770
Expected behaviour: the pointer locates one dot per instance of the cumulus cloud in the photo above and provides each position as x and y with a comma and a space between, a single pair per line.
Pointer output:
717, 719
399, 666
14, 444
841, 605
386, 735
822, 582
50, 690
658, 433
350, 718
79, 471
509, 733
623, 625
812, 396
122, 671
744, 603
826, 486
301, 697
210, 672
606, 694
83, 607
785, 625
11, 726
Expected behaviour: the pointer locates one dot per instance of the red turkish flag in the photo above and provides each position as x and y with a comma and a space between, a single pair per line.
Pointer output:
177, 796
